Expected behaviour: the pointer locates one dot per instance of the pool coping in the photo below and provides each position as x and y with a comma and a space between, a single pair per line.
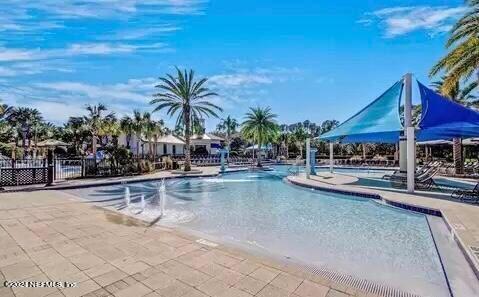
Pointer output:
370, 193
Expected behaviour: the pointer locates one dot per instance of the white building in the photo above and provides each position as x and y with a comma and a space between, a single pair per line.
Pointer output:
165, 145
206, 143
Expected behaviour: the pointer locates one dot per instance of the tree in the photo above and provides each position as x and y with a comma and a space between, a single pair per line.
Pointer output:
137, 122
23, 119
94, 121
228, 126
187, 98
299, 136
463, 96
76, 131
126, 126
149, 127
462, 60
260, 127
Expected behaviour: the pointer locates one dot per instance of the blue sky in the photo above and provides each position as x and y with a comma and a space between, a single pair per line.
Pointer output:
306, 59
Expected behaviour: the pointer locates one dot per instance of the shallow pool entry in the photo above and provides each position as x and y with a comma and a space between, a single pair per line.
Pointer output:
258, 210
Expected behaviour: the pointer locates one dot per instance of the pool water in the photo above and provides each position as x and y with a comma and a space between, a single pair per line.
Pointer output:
350, 235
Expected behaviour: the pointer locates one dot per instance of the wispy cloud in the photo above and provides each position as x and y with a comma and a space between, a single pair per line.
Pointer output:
20, 54
20, 16
248, 85
402, 20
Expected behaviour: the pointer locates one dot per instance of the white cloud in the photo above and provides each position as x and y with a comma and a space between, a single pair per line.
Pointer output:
20, 54
141, 33
239, 79
19, 15
406, 19
106, 93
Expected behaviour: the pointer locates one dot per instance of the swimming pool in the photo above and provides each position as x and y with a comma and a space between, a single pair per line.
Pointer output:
350, 235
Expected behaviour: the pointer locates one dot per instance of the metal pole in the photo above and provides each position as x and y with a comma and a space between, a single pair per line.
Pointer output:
308, 153
331, 157
411, 142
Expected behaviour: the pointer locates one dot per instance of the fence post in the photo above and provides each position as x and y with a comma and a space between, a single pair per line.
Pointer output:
82, 166
50, 168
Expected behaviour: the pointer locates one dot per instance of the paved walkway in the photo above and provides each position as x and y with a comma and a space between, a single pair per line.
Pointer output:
462, 218
53, 236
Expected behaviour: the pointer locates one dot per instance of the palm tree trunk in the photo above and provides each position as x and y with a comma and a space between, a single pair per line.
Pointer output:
187, 139
457, 155
93, 143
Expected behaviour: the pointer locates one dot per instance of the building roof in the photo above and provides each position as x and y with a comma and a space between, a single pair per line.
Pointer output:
169, 138
206, 136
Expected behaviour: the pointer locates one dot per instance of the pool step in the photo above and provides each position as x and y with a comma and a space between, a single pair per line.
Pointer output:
360, 284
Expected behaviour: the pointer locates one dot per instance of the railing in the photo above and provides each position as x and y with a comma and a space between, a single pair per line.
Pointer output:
15, 172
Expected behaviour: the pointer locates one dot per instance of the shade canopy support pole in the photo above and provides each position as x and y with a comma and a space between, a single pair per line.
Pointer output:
409, 133
308, 153
331, 157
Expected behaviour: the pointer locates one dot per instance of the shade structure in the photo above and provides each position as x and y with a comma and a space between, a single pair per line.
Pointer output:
377, 122
443, 118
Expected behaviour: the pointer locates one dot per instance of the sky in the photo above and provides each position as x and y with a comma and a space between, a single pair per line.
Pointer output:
306, 59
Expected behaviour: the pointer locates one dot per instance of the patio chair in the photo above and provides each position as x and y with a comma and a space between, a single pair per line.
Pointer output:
467, 195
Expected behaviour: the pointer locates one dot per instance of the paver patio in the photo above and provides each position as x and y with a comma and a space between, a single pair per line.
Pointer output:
53, 236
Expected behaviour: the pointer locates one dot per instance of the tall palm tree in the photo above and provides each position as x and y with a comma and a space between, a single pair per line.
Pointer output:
300, 135
95, 119
462, 96
188, 98
462, 60
228, 125
260, 127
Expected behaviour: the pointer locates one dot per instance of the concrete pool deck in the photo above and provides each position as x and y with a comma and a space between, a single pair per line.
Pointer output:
54, 236
461, 219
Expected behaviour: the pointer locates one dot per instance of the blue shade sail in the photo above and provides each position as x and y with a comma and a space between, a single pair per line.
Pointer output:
443, 118
377, 122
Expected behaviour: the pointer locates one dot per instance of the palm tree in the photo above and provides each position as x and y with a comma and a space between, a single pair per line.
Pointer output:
260, 127
188, 98
137, 123
158, 131
126, 126
24, 119
228, 125
76, 130
463, 96
462, 60
149, 127
300, 135
94, 120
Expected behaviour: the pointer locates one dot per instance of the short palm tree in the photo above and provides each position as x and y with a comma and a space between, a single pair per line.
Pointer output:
462, 60
187, 98
299, 136
126, 126
260, 127
228, 125
138, 128
24, 119
95, 119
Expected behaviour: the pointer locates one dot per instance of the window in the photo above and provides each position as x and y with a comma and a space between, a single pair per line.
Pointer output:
174, 149
164, 149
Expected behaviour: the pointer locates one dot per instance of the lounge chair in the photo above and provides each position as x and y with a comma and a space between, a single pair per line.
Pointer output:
423, 181
467, 195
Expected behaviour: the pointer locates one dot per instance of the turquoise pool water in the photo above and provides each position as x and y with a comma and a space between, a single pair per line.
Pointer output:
347, 234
